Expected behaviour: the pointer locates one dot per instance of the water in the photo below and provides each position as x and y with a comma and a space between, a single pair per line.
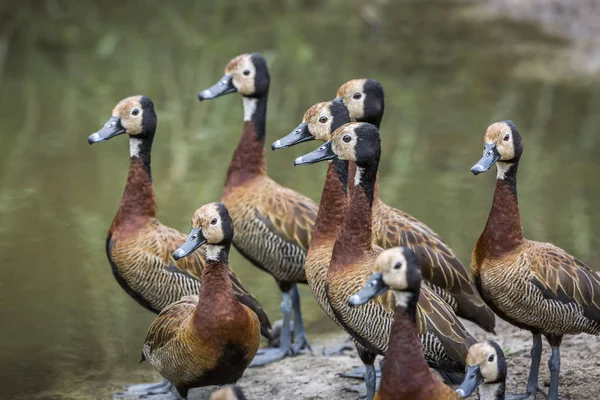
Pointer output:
68, 330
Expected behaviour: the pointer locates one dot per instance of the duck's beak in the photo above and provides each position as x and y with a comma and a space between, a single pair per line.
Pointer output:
195, 240
111, 129
473, 378
224, 86
298, 135
490, 156
323, 153
373, 288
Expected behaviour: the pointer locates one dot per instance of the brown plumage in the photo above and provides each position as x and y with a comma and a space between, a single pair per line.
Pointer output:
208, 339
535, 286
406, 375
273, 224
445, 341
392, 227
139, 246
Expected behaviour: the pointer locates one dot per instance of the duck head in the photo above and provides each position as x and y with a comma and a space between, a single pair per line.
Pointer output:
246, 74
364, 99
318, 123
134, 116
395, 269
211, 224
485, 365
356, 141
502, 145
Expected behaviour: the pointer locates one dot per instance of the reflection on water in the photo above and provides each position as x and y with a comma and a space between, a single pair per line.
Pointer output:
67, 327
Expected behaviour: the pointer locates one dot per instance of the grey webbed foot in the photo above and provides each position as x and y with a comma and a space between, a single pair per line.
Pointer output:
337, 350
358, 373
271, 355
366, 391
156, 391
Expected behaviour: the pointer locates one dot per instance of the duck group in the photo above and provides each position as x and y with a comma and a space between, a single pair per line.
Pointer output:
382, 275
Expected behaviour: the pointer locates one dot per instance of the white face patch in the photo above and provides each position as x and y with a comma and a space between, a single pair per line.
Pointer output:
135, 145
213, 252
249, 107
402, 298
502, 169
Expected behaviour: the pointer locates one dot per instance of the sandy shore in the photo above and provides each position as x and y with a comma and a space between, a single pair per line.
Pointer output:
314, 376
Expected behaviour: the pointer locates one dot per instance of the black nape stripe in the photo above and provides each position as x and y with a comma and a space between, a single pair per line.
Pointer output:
340, 114
374, 103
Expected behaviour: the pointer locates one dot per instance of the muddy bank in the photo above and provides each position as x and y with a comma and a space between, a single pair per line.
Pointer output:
313, 376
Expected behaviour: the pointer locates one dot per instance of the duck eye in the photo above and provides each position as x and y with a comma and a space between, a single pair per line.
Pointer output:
357, 96
135, 112
323, 119
214, 221
246, 72
491, 358
506, 137
194, 236
346, 138
398, 265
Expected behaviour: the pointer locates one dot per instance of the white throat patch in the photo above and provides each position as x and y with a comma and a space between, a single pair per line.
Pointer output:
502, 168
213, 252
358, 175
135, 145
402, 298
487, 391
249, 107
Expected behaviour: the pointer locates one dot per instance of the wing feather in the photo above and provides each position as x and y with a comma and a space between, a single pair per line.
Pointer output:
439, 265
168, 323
564, 278
289, 215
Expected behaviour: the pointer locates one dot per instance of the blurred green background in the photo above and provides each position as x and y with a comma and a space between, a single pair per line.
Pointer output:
67, 328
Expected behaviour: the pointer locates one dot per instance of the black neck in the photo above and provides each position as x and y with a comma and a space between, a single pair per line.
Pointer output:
373, 120
510, 176
255, 108
140, 148
368, 177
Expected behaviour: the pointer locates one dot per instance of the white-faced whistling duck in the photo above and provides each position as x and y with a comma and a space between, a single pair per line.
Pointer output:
534, 286
273, 224
486, 368
229, 392
446, 341
364, 99
406, 375
138, 245
334, 201
210, 338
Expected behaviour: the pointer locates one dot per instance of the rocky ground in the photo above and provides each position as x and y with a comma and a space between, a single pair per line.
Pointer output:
314, 376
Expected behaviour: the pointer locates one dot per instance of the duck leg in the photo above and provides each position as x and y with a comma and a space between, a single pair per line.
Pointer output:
270, 355
554, 366
370, 375
368, 359
300, 339
533, 386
